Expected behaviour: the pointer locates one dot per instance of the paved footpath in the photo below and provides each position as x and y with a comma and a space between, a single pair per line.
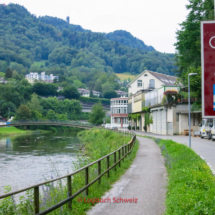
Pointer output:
145, 181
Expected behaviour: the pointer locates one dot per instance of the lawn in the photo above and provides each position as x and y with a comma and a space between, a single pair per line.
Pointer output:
39, 63
7, 131
125, 76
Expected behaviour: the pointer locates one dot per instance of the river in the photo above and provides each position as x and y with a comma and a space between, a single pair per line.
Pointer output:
30, 159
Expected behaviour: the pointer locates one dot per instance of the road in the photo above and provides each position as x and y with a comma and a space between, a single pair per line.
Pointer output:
145, 182
204, 147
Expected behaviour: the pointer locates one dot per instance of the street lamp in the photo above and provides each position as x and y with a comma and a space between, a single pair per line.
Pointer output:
189, 105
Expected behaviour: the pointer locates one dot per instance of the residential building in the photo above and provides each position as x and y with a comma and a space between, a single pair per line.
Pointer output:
2, 81
122, 94
149, 80
168, 111
86, 93
40, 77
119, 112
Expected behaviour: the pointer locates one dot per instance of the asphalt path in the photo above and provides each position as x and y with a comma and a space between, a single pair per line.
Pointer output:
203, 147
144, 183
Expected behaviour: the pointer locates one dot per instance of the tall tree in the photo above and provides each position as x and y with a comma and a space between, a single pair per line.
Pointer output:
188, 45
34, 104
71, 92
9, 73
97, 115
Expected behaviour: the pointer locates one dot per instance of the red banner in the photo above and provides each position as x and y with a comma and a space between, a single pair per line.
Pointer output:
208, 68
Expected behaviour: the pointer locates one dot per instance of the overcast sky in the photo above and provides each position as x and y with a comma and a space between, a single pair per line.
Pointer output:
153, 21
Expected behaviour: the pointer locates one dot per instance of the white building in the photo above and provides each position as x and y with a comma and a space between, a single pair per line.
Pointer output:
43, 77
119, 112
149, 80
86, 93
122, 94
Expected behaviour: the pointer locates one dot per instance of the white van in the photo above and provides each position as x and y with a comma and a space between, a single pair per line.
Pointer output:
205, 128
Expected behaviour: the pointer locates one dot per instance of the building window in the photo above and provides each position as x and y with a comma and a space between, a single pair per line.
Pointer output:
145, 75
152, 83
139, 83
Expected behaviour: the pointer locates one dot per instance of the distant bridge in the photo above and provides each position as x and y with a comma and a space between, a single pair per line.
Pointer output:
75, 124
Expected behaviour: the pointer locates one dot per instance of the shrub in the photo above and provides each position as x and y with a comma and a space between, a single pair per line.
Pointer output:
137, 128
133, 127
129, 127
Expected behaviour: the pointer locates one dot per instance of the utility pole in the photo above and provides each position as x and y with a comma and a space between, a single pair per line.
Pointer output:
189, 106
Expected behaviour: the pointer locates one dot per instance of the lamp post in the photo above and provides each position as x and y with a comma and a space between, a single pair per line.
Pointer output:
189, 105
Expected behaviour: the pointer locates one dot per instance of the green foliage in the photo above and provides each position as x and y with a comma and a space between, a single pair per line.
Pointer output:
9, 73
135, 116
71, 92
44, 89
34, 104
148, 119
164, 99
191, 184
111, 94
31, 44
97, 115
127, 39
188, 43
145, 109
23, 113
197, 106
51, 115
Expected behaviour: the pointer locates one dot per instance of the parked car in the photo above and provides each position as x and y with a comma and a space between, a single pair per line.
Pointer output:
107, 126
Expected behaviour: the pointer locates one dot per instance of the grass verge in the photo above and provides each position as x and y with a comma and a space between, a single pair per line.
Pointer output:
10, 131
191, 184
97, 143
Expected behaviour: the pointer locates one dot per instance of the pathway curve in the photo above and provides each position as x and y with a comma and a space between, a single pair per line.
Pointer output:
145, 181
204, 147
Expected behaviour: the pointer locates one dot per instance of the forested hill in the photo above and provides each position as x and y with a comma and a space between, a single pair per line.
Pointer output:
31, 44
128, 39
120, 36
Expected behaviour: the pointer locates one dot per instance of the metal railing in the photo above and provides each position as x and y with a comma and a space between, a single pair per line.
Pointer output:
122, 152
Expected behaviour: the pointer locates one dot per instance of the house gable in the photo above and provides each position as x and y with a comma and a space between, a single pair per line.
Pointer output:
143, 82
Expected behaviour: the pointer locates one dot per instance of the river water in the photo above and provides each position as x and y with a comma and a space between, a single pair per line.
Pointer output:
30, 159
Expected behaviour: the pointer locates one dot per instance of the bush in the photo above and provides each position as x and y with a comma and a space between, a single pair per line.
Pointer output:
129, 127
133, 127
137, 128
145, 128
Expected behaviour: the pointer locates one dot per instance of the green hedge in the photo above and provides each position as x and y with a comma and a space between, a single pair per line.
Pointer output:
95, 100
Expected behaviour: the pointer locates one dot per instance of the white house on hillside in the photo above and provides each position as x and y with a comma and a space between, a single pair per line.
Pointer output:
149, 80
86, 93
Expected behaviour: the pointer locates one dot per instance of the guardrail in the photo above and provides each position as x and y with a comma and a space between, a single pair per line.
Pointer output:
122, 152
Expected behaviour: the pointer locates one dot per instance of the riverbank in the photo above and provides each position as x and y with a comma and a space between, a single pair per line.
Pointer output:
95, 143
12, 131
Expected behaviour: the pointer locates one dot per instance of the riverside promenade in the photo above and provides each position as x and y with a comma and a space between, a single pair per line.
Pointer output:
144, 182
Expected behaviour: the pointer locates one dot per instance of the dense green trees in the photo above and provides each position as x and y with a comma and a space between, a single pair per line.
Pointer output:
30, 44
97, 115
110, 94
71, 92
44, 89
188, 43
